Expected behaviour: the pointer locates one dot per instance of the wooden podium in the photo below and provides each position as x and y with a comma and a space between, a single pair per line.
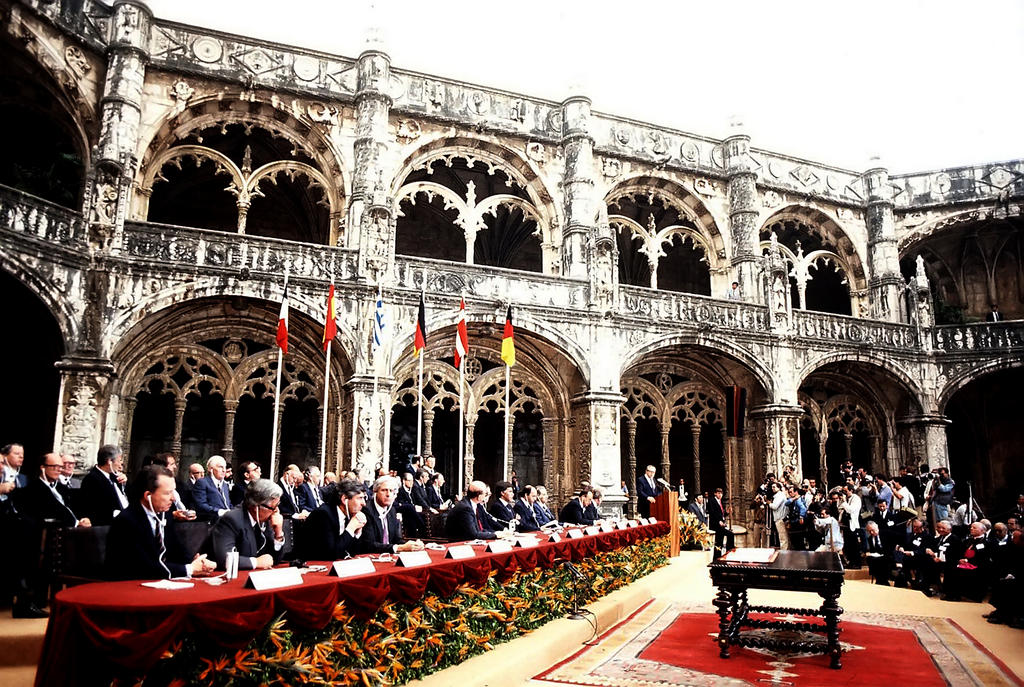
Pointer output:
666, 509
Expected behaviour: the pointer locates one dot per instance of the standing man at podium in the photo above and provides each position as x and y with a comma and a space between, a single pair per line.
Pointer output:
646, 490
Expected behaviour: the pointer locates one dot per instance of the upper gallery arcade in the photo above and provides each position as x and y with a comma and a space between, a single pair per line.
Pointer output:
164, 178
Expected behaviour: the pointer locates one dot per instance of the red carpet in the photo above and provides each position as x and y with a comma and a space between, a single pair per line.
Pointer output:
872, 655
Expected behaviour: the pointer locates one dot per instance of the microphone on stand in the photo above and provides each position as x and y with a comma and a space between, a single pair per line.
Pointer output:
663, 483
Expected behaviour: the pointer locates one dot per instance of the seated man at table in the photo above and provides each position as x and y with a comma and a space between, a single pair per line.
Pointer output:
382, 532
469, 519
142, 544
255, 529
592, 512
211, 495
540, 507
503, 508
524, 509
575, 511
333, 530
878, 551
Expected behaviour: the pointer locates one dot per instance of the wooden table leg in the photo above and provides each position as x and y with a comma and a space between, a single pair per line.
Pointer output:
722, 603
831, 610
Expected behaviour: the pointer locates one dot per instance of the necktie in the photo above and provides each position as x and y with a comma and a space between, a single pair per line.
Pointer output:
260, 537
53, 488
161, 547
479, 520
384, 528
223, 489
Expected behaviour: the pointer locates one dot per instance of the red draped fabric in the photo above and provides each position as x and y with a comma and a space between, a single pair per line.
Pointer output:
127, 625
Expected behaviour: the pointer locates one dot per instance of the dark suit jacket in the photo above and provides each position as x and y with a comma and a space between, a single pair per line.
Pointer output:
991, 317
372, 540
97, 499
237, 493
419, 496
306, 498
289, 506
592, 513
573, 512
321, 540
462, 522
208, 499
38, 503
698, 510
434, 498
412, 520
543, 513
233, 530
716, 516
643, 492
527, 517
132, 551
502, 512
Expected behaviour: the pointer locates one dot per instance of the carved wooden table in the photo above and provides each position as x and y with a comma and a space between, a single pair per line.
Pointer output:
793, 571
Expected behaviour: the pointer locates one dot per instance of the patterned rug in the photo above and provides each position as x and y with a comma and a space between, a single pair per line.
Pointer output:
664, 644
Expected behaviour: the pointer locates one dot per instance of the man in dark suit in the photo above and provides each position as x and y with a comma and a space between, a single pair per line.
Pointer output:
940, 558
910, 556
412, 517
67, 474
419, 491
469, 519
255, 529
646, 490
696, 506
503, 508
524, 509
878, 552
540, 507
994, 315
142, 543
185, 486
311, 496
593, 511
212, 494
382, 532
574, 511
969, 575
13, 479
292, 505
102, 494
333, 530
435, 498
250, 471
717, 512
47, 498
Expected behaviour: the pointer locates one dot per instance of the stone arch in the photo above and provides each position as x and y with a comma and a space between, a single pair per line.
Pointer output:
959, 381
494, 157
918, 233
890, 368
61, 308
831, 233
643, 401
690, 394
762, 374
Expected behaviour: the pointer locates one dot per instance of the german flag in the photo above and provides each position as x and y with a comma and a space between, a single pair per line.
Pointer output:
508, 341
420, 340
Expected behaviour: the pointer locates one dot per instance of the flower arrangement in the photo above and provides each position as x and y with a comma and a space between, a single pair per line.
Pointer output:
403, 642
693, 534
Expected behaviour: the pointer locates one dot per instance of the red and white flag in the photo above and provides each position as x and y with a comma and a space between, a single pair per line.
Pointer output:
330, 320
461, 335
282, 323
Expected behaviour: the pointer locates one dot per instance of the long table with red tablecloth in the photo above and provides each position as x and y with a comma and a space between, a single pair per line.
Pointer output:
130, 626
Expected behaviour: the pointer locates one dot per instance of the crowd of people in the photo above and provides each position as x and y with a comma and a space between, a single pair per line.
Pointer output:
302, 515
909, 530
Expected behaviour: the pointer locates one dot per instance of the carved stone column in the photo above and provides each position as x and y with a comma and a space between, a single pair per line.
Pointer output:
743, 229
577, 186
927, 440
885, 283
428, 432
549, 427
630, 467
511, 458
82, 412
228, 451
695, 435
848, 446
596, 415
371, 216
128, 419
370, 423
470, 447
179, 423
778, 429
666, 464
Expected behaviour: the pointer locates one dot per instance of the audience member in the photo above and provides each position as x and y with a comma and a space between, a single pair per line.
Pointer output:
333, 530
255, 529
469, 519
383, 532
102, 494
212, 494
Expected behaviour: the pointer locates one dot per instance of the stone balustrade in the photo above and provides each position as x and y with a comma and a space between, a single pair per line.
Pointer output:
980, 336
820, 326
27, 214
684, 308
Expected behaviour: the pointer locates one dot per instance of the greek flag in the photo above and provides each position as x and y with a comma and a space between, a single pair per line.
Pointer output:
379, 324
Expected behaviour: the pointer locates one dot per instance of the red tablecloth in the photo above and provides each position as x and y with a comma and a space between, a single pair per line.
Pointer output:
131, 626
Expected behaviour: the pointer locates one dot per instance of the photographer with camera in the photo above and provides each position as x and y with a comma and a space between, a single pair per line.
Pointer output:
795, 518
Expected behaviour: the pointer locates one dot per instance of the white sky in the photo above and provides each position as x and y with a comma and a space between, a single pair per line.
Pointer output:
923, 85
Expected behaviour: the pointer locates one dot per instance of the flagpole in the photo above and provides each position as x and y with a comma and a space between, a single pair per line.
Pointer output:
327, 393
355, 427
462, 422
508, 412
419, 406
277, 396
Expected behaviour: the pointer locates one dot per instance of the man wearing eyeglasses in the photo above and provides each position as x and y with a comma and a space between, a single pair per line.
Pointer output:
255, 529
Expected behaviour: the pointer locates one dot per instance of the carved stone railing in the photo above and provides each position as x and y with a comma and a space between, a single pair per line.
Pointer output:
684, 308
87, 19
491, 283
187, 248
981, 336
24, 213
996, 180
852, 330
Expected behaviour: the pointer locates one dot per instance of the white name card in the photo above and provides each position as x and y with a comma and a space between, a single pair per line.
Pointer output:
460, 552
554, 537
574, 534
632, 523
261, 580
621, 525
499, 546
526, 542
593, 529
413, 559
652, 520
607, 527
352, 567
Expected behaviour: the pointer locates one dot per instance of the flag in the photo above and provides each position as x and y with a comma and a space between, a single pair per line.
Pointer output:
735, 410
461, 335
508, 341
330, 324
282, 323
420, 341
379, 323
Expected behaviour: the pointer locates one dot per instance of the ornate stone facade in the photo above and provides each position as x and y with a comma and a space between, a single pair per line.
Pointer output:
214, 164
